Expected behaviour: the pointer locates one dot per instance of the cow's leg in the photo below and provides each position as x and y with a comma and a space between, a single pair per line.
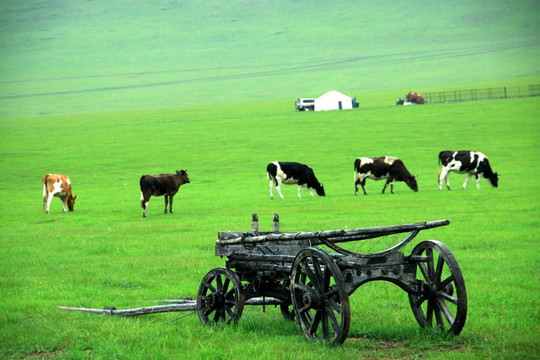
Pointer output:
356, 183
385, 185
144, 202
44, 196
477, 181
64, 203
363, 183
299, 189
278, 188
271, 187
447, 178
170, 203
311, 192
443, 175
467, 180
391, 182
166, 202
49, 199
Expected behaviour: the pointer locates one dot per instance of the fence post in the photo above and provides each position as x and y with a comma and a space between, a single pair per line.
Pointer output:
275, 223
255, 223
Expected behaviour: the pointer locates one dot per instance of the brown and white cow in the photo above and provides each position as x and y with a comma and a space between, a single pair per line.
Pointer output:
163, 184
57, 185
389, 168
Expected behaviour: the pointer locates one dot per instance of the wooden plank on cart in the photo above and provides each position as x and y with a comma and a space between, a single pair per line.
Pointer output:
332, 235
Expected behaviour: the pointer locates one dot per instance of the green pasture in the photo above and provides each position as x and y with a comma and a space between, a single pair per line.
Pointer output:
106, 254
107, 91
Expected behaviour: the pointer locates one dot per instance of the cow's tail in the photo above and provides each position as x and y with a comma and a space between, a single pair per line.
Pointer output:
439, 168
440, 163
141, 181
356, 166
271, 168
44, 183
269, 177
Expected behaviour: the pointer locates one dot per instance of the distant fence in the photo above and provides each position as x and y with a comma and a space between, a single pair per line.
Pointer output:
504, 92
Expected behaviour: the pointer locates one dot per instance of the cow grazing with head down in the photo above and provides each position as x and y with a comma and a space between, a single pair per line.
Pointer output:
57, 185
292, 173
163, 184
470, 162
389, 168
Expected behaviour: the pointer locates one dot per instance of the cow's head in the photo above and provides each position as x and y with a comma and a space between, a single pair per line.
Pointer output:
320, 190
71, 201
183, 175
494, 180
411, 181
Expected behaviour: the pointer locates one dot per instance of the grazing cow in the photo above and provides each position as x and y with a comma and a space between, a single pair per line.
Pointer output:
389, 168
292, 173
163, 184
470, 162
57, 185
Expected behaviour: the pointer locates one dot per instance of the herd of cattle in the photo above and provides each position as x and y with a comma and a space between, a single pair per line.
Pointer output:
389, 168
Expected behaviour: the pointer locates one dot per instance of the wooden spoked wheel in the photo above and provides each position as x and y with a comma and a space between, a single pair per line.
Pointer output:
320, 301
220, 298
287, 312
287, 309
441, 302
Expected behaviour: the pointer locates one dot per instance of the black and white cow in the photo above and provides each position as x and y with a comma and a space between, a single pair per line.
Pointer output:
470, 162
163, 184
389, 168
292, 173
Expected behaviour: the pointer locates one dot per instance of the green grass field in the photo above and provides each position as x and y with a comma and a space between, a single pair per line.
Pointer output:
104, 94
106, 254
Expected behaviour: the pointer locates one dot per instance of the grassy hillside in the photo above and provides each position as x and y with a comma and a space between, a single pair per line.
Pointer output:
64, 56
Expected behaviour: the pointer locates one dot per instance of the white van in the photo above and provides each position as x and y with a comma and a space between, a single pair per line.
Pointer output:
307, 104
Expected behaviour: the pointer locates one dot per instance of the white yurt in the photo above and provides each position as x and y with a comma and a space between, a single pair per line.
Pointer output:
333, 100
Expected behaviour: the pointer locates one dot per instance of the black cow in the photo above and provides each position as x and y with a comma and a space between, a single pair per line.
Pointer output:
163, 184
470, 162
389, 168
292, 173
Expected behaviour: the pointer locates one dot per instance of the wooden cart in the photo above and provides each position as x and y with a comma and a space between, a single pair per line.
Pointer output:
313, 286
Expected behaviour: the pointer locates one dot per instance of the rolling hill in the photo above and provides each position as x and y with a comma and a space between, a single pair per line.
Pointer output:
63, 56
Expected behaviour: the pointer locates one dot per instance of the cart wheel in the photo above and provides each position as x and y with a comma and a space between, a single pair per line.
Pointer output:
287, 310
443, 295
217, 300
320, 301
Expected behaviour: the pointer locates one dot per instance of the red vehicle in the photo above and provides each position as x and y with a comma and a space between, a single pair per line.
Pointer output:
415, 98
